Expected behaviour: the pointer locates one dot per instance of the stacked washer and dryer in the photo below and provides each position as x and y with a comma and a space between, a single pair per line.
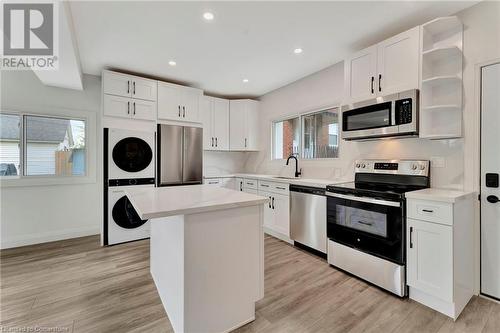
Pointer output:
129, 160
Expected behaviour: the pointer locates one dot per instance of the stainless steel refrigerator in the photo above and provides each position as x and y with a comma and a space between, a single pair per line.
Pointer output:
179, 155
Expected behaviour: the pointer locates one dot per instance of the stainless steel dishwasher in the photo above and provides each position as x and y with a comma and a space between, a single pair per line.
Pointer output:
308, 217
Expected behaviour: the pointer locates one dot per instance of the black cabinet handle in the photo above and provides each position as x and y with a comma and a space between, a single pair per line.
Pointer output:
492, 199
134, 88
264, 185
373, 80
134, 108
128, 107
428, 210
379, 82
183, 112
280, 188
245, 142
411, 240
212, 142
179, 107
216, 142
128, 87
241, 186
273, 202
269, 202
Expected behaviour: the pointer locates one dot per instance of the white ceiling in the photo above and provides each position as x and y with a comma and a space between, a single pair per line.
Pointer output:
253, 40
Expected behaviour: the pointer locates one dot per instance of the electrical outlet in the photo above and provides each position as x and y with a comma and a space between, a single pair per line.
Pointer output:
437, 162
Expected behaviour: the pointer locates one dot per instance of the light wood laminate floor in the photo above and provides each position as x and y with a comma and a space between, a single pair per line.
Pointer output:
77, 286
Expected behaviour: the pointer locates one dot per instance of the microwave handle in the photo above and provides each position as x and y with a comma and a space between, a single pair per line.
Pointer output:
393, 113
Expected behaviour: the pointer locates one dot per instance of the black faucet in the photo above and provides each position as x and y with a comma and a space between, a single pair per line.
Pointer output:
297, 172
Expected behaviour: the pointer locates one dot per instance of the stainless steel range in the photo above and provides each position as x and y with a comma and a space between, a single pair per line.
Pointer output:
366, 220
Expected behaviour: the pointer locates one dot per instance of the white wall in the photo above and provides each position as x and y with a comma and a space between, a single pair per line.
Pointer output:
35, 214
324, 89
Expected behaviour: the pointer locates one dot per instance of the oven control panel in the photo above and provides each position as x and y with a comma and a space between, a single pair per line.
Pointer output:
398, 167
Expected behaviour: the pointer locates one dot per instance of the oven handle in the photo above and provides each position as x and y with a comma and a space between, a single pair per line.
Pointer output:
365, 199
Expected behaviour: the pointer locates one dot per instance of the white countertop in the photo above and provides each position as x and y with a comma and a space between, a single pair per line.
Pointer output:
319, 183
154, 202
438, 194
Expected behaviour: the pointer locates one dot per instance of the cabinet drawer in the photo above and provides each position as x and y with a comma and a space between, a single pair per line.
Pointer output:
280, 188
212, 181
250, 183
432, 211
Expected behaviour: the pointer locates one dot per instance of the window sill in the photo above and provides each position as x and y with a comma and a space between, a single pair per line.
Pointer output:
45, 181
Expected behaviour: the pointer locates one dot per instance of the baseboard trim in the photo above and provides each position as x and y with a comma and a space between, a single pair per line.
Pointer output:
38, 238
278, 235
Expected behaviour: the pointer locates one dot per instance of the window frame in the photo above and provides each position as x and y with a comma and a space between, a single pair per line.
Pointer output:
90, 175
301, 116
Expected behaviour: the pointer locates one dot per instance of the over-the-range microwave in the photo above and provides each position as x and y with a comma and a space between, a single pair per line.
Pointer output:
389, 116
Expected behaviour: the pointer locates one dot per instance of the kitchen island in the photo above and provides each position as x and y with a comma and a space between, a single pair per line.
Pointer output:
206, 254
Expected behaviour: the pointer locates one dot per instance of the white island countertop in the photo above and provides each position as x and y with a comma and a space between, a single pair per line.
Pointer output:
155, 202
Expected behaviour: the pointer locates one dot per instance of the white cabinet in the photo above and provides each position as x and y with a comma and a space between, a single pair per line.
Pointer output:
277, 212
440, 250
430, 258
215, 119
128, 96
359, 71
388, 67
116, 106
213, 182
243, 125
124, 85
178, 103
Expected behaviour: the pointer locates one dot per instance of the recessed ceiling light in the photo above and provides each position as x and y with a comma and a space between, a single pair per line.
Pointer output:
208, 16
297, 50
172, 63
245, 80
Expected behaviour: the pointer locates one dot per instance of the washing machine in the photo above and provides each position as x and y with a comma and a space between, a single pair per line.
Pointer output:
129, 160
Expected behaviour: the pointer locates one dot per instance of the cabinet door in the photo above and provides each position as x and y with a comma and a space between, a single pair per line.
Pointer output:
252, 121
191, 104
116, 84
281, 207
144, 89
269, 214
251, 190
141, 109
237, 126
430, 258
169, 102
116, 106
360, 75
397, 64
221, 123
206, 116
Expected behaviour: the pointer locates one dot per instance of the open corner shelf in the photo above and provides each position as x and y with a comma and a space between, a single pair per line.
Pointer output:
441, 79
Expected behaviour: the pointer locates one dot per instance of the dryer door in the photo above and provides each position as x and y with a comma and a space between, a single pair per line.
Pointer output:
132, 154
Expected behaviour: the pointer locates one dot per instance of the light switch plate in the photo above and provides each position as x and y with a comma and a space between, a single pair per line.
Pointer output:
437, 162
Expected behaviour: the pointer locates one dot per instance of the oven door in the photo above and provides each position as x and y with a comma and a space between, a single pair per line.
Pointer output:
369, 121
370, 225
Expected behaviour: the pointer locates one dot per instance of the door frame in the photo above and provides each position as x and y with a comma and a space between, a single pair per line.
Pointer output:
477, 165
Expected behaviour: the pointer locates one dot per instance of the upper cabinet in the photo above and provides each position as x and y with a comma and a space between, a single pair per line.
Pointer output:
243, 125
128, 96
178, 103
215, 119
124, 85
388, 67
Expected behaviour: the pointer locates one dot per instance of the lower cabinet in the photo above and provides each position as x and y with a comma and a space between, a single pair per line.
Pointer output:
440, 253
430, 258
277, 213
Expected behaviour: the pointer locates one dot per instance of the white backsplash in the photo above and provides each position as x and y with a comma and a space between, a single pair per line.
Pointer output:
223, 163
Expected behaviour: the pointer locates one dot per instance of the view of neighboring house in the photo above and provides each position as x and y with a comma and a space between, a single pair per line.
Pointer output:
49, 146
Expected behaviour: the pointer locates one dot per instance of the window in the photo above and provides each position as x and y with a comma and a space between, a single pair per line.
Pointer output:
50, 146
286, 138
318, 131
321, 134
